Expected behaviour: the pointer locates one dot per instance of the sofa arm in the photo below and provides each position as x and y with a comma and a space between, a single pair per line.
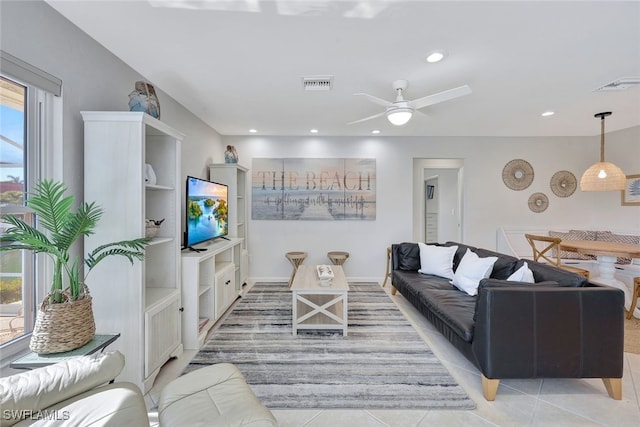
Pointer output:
36, 390
114, 405
549, 331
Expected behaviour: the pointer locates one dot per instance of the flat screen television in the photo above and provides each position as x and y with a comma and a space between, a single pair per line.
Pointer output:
206, 211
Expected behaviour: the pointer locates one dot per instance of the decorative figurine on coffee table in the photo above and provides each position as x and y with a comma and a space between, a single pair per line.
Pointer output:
231, 155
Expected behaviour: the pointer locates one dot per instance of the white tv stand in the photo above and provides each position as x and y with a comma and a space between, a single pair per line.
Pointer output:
209, 286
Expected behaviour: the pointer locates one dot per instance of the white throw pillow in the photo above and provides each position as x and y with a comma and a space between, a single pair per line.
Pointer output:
523, 274
437, 260
471, 270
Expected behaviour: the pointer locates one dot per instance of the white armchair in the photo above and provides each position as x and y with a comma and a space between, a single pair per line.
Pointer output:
78, 393
72, 393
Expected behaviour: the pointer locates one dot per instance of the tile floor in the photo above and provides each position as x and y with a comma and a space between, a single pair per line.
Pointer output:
547, 402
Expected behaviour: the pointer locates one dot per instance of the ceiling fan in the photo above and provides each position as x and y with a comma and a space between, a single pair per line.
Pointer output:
400, 111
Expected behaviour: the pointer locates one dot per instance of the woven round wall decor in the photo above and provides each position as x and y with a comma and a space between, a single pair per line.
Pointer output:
517, 174
538, 202
563, 183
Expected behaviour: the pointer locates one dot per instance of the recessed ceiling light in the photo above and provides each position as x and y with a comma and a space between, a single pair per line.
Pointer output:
253, 130
436, 56
547, 113
375, 131
314, 131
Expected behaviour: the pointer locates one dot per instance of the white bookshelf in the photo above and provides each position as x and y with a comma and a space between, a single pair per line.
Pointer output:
208, 288
235, 177
142, 301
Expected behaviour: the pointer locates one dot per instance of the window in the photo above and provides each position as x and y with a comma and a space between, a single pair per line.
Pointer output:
16, 268
27, 115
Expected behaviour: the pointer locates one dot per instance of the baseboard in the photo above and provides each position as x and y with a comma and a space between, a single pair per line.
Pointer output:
376, 279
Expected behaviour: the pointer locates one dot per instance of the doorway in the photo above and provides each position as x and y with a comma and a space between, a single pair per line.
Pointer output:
431, 192
438, 219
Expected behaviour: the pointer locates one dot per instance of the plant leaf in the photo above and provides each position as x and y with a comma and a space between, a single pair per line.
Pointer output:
130, 249
50, 205
82, 223
24, 236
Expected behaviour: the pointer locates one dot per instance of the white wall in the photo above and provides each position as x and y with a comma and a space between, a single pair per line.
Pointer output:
488, 203
93, 79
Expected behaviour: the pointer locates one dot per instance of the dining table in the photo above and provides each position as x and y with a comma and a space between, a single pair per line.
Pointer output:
606, 254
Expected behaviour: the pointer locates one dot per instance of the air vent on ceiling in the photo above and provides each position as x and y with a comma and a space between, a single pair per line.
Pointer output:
620, 84
317, 83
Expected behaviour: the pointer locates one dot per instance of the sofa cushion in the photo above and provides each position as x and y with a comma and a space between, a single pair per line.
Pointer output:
504, 266
462, 249
437, 260
453, 307
408, 256
406, 281
471, 270
546, 272
523, 274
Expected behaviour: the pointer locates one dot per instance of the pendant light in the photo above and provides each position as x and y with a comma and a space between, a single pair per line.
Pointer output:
603, 176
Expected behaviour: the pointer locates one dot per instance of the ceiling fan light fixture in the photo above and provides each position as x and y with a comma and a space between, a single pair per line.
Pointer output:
603, 176
399, 116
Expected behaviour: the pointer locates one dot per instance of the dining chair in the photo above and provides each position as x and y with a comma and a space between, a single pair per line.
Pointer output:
387, 273
541, 246
635, 297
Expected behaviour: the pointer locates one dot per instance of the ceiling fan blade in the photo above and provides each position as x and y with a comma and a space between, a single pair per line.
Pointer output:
422, 113
367, 118
441, 96
375, 99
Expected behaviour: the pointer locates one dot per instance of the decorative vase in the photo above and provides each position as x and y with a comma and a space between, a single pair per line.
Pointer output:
144, 99
63, 326
231, 155
152, 226
149, 175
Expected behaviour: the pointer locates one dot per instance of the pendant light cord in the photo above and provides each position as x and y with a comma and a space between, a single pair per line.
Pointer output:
602, 138
602, 116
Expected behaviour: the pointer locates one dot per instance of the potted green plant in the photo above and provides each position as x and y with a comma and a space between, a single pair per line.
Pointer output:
65, 318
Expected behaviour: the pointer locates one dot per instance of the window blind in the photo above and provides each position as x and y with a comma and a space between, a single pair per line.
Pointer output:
27, 73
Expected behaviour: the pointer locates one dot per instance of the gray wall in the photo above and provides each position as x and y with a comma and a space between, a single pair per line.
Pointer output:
93, 79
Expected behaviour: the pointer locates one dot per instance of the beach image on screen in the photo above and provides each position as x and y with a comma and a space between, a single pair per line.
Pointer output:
207, 215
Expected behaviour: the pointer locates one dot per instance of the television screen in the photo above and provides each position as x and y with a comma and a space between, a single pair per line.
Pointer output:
206, 211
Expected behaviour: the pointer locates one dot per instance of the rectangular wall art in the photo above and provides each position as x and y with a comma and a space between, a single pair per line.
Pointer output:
631, 192
313, 189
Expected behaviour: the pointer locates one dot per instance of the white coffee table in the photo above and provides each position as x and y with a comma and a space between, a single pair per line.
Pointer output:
316, 305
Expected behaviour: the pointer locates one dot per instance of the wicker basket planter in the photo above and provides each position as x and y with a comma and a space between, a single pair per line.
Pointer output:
63, 326
65, 318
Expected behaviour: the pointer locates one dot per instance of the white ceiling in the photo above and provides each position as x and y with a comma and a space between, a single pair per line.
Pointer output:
239, 64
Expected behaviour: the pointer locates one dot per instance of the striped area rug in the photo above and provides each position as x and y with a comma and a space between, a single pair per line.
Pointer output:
381, 364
